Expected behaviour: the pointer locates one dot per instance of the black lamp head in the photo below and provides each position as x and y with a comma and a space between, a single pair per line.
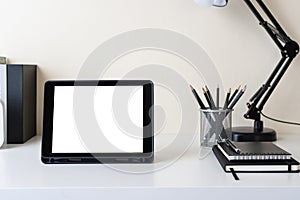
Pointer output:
208, 3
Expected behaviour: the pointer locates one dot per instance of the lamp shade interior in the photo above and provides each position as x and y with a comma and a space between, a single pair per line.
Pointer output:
208, 3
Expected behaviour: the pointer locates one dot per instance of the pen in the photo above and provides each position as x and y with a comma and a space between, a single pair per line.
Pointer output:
201, 104
232, 146
237, 97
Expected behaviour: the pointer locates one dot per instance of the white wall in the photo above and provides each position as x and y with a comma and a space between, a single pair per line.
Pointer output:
58, 35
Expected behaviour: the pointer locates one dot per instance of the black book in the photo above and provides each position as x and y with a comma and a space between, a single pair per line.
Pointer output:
290, 165
254, 151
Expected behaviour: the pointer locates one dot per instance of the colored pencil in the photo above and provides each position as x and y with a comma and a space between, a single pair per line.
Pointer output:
200, 102
207, 98
226, 102
213, 105
237, 98
218, 97
233, 95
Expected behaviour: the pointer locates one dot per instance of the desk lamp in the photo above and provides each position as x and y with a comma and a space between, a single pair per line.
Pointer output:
288, 48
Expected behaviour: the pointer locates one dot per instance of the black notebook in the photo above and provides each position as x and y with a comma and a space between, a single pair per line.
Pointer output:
254, 151
290, 165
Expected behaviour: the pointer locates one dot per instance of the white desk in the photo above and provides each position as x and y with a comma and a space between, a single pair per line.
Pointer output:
23, 176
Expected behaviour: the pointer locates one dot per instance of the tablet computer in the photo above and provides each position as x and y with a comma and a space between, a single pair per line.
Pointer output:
98, 121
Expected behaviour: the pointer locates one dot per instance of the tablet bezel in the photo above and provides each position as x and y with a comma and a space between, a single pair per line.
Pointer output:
148, 129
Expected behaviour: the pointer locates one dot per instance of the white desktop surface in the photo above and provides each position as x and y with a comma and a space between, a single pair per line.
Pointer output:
24, 176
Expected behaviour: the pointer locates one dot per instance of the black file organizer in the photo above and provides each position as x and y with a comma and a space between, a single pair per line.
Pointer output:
21, 102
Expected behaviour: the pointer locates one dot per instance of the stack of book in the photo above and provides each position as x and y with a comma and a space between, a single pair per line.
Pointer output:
254, 157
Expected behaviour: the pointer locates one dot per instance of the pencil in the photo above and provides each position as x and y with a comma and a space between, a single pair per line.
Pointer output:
207, 98
233, 95
213, 105
218, 97
201, 104
227, 99
237, 97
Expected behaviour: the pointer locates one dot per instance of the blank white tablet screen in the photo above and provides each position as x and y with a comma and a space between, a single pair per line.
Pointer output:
112, 138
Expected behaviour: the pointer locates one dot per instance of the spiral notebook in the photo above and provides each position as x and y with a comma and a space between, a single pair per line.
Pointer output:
257, 166
254, 151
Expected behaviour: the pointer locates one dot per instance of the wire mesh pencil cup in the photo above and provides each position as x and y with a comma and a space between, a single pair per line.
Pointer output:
214, 124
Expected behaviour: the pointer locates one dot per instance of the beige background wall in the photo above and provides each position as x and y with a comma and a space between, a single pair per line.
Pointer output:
58, 35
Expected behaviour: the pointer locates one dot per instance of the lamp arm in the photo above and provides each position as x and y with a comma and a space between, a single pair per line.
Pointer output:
275, 83
270, 16
289, 49
264, 23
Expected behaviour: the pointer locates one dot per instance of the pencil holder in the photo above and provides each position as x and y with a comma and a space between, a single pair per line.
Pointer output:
213, 125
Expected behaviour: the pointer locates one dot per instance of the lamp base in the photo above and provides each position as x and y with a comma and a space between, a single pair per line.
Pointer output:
248, 134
